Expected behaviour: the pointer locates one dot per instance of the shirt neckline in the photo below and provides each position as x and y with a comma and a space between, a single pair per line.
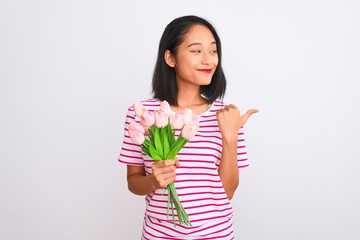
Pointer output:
201, 114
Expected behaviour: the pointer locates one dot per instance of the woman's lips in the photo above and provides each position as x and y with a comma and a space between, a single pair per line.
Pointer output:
205, 70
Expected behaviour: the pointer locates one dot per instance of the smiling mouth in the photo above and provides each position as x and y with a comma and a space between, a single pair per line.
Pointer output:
205, 70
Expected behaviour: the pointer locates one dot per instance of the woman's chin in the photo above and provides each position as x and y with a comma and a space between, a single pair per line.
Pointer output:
206, 83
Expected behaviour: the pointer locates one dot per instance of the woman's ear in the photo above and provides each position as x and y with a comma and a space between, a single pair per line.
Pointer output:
169, 59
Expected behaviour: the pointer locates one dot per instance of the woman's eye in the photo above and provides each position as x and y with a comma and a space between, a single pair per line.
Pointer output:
199, 51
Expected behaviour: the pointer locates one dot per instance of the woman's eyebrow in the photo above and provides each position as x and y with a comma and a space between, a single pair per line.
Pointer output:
193, 44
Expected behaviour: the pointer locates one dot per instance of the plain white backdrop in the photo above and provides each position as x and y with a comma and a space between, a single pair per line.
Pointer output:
70, 69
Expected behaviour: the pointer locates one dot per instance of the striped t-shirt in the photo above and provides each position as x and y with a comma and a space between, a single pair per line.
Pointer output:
197, 183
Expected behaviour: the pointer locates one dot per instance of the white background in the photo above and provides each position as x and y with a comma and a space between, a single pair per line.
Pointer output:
70, 69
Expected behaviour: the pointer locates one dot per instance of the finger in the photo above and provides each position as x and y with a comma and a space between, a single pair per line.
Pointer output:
168, 181
177, 162
163, 166
169, 162
253, 111
169, 176
164, 179
158, 164
161, 176
233, 106
165, 163
249, 113
226, 108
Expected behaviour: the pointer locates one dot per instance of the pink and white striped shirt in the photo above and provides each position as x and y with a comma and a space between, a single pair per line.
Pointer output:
198, 184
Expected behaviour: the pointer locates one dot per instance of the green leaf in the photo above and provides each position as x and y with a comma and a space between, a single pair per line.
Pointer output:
182, 141
165, 141
157, 141
179, 143
146, 151
171, 134
154, 154
152, 133
147, 142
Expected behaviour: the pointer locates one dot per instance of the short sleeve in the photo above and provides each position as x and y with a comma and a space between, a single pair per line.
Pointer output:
130, 152
242, 158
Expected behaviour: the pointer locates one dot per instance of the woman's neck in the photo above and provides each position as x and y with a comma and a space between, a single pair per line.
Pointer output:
191, 100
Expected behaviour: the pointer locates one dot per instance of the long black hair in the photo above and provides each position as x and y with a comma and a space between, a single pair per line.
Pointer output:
164, 85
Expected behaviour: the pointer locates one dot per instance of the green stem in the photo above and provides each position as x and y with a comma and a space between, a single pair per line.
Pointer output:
174, 199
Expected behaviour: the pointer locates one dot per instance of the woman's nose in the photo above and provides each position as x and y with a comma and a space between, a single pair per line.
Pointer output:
205, 58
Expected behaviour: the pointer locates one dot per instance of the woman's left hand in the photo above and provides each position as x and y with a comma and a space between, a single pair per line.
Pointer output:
230, 121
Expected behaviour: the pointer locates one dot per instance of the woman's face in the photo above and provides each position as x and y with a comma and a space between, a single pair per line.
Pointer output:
196, 59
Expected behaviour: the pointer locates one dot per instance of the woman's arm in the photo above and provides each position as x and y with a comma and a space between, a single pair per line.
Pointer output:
163, 173
228, 169
230, 121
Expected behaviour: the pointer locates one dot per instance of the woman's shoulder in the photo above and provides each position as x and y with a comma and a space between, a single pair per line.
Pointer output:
218, 104
150, 102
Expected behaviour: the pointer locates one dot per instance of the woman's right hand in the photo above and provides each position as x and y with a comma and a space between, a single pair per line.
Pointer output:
163, 173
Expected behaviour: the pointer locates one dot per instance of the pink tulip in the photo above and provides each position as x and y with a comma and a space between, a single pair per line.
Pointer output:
147, 119
136, 136
138, 109
177, 121
134, 126
161, 119
189, 130
165, 107
195, 118
187, 115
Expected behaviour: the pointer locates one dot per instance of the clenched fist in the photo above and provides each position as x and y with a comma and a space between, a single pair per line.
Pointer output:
163, 172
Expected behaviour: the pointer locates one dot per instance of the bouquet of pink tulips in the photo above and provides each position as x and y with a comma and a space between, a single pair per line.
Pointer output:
156, 134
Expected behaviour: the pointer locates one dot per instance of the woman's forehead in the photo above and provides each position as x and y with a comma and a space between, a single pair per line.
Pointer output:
198, 34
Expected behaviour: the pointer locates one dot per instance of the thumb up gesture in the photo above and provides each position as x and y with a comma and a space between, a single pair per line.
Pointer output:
230, 121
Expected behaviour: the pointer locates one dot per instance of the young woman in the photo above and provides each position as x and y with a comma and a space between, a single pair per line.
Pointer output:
188, 74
